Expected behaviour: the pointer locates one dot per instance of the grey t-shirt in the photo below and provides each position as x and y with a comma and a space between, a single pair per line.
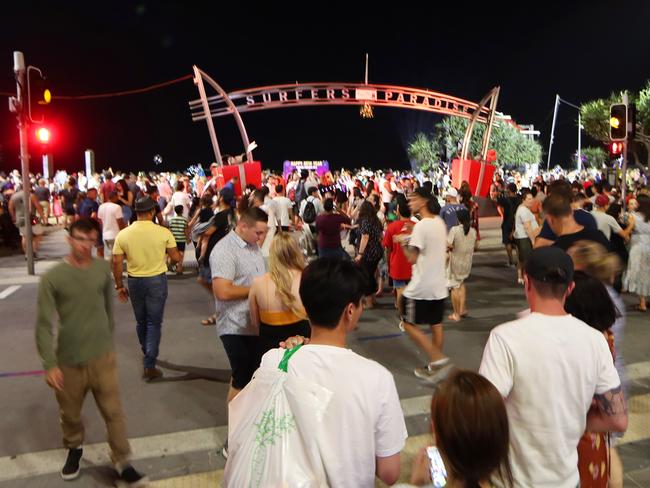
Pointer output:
606, 223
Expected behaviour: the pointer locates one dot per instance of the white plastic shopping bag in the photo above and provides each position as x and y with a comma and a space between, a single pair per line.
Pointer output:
271, 425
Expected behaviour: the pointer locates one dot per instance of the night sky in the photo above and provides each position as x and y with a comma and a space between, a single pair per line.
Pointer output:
532, 51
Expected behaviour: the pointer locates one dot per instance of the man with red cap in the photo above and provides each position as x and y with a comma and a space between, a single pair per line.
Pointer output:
608, 224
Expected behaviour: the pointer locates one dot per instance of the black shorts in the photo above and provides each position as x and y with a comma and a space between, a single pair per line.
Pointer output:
244, 356
524, 248
180, 246
421, 312
506, 233
70, 211
272, 335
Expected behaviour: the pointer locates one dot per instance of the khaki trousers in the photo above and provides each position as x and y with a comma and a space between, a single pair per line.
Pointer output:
98, 375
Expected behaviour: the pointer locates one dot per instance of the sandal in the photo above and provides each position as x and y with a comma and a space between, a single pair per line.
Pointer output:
209, 321
639, 309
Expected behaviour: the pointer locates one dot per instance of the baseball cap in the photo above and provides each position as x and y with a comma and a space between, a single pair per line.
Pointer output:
452, 192
550, 265
602, 201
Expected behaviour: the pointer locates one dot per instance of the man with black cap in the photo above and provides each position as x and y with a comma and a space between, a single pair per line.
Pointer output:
144, 245
550, 367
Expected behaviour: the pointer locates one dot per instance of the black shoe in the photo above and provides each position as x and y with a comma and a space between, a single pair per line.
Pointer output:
134, 479
71, 467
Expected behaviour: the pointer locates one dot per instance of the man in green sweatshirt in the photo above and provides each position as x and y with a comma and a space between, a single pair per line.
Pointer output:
79, 290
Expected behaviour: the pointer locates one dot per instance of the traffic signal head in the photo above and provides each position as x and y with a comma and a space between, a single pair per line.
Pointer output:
39, 94
618, 122
616, 149
43, 135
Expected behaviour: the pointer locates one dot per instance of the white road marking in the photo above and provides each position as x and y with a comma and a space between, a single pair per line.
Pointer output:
155, 446
9, 291
20, 280
177, 443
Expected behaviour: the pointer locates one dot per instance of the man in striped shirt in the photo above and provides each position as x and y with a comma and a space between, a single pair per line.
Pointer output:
180, 230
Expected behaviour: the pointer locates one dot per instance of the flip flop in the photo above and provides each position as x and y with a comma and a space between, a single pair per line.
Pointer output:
210, 321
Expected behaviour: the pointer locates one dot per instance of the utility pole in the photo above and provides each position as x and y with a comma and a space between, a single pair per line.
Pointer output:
579, 143
624, 168
19, 106
550, 143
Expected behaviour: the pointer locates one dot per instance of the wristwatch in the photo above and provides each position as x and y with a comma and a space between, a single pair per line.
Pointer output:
119, 287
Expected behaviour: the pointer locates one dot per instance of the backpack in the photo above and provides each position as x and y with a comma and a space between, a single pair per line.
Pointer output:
309, 213
300, 193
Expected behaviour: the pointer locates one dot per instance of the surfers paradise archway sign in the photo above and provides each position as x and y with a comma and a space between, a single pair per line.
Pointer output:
326, 94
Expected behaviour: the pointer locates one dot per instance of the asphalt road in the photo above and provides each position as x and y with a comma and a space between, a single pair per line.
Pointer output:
177, 423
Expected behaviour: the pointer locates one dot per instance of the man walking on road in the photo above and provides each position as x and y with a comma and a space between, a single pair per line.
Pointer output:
556, 375
111, 220
423, 300
18, 212
144, 245
234, 262
79, 290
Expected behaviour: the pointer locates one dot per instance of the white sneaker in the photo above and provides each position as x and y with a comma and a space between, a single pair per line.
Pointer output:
434, 373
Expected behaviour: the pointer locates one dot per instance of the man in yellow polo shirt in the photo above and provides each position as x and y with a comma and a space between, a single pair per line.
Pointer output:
144, 245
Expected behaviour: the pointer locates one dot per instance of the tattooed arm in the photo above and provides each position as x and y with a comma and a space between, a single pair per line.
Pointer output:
609, 413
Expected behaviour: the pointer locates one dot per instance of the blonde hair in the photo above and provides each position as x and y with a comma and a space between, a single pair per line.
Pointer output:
595, 260
284, 256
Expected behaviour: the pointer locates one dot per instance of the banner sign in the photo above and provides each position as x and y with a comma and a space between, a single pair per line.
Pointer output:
321, 167
281, 96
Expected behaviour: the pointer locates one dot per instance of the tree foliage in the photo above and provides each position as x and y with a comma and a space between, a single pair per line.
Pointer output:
423, 151
512, 147
594, 157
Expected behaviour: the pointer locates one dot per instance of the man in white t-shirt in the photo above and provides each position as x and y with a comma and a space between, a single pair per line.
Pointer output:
550, 367
608, 224
423, 300
363, 431
111, 220
283, 208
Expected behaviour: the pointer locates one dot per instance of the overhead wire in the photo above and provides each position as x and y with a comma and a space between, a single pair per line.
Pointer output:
115, 94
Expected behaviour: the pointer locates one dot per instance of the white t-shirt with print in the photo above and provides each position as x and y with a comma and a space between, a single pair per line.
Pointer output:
548, 369
108, 213
523, 215
364, 418
283, 205
429, 278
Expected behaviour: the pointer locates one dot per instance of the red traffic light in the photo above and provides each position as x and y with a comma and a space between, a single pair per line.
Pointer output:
43, 135
616, 148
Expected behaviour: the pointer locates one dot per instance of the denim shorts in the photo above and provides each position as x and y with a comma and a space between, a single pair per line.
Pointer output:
400, 283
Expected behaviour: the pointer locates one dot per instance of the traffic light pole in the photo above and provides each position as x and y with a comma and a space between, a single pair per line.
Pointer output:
19, 70
624, 167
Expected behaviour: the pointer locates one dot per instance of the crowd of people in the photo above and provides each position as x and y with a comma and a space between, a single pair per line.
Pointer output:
294, 263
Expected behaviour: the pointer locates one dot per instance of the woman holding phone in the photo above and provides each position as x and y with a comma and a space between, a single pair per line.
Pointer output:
470, 428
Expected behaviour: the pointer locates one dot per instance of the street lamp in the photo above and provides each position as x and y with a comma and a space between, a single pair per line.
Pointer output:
550, 144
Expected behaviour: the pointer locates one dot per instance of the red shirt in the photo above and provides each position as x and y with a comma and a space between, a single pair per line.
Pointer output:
399, 268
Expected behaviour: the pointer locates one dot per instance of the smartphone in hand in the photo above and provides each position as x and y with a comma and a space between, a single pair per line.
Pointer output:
438, 470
